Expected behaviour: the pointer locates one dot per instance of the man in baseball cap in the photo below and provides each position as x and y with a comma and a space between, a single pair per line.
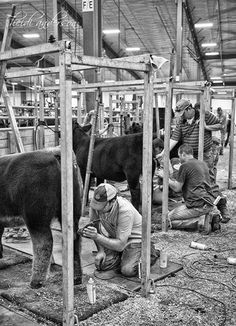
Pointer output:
182, 105
102, 195
116, 231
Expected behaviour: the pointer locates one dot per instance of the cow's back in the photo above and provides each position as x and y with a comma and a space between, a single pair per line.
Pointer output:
29, 183
112, 156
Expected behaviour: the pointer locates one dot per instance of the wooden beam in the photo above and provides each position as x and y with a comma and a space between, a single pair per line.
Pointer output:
41, 71
28, 51
67, 187
108, 63
147, 180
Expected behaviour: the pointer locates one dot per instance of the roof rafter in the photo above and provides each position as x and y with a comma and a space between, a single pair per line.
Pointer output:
195, 39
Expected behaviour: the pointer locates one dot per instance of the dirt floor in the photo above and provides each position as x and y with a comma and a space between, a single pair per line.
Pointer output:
203, 293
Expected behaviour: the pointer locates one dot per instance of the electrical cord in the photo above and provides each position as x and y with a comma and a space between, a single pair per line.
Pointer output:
200, 294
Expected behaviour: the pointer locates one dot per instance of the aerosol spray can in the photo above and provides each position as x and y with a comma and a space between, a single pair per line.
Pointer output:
163, 259
198, 245
91, 290
140, 268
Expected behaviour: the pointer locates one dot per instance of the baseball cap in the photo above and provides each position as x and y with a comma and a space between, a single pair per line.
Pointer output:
181, 105
102, 194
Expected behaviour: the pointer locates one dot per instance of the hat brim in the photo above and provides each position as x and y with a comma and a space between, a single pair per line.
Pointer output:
179, 113
97, 205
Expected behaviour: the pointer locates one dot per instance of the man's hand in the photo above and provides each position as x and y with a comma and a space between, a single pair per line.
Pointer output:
90, 232
160, 173
160, 155
99, 259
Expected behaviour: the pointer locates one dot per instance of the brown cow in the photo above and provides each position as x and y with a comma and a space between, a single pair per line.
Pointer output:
30, 192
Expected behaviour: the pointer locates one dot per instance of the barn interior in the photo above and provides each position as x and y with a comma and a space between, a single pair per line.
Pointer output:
189, 50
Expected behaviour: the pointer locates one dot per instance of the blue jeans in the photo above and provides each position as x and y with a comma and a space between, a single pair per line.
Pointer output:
211, 162
184, 218
127, 261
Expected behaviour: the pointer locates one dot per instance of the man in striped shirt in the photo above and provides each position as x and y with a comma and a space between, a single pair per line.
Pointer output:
187, 131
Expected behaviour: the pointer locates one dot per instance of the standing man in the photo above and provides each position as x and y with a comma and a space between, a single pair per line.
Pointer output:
199, 194
187, 131
118, 232
223, 121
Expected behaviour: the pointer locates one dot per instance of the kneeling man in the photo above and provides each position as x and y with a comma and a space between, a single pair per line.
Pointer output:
199, 196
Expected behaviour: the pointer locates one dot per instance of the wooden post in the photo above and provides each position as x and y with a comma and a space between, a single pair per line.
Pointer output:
79, 107
147, 180
67, 186
6, 42
168, 116
7, 36
231, 150
110, 109
201, 126
56, 106
157, 116
90, 153
41, 119
179, 37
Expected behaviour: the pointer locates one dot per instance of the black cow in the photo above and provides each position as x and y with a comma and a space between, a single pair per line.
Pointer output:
30, 192
117, 159
137, 127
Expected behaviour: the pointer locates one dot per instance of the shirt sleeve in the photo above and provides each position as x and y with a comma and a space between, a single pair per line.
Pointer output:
176, 133
124, 225
181, 177
211, 119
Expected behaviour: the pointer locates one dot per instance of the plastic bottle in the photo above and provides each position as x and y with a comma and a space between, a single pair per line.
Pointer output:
231, 260
91, 290
198, 245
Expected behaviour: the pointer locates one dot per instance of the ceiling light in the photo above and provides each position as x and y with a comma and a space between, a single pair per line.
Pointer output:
211, 53
217, 81
35, 35
222, 93
109, 81
208, 45
130, 49
202, 25
111, 31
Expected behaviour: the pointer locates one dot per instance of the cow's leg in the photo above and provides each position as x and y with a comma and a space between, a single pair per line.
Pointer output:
1, 233
41, 236
99, 180
77, 260
134, 187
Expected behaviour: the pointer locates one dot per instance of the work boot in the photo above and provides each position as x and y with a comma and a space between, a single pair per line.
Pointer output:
222, 207
215, 224
207, 228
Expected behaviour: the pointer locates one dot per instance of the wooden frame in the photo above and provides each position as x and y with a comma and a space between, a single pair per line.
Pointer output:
66, 61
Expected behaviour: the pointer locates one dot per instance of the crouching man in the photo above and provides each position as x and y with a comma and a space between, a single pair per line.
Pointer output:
118, 232
199, 195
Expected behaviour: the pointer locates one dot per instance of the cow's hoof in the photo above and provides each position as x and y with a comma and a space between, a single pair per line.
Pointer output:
36, 284
78, 280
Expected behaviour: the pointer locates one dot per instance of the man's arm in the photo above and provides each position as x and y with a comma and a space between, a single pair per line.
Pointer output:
101, 241
214, 127
174, 184
172, 145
